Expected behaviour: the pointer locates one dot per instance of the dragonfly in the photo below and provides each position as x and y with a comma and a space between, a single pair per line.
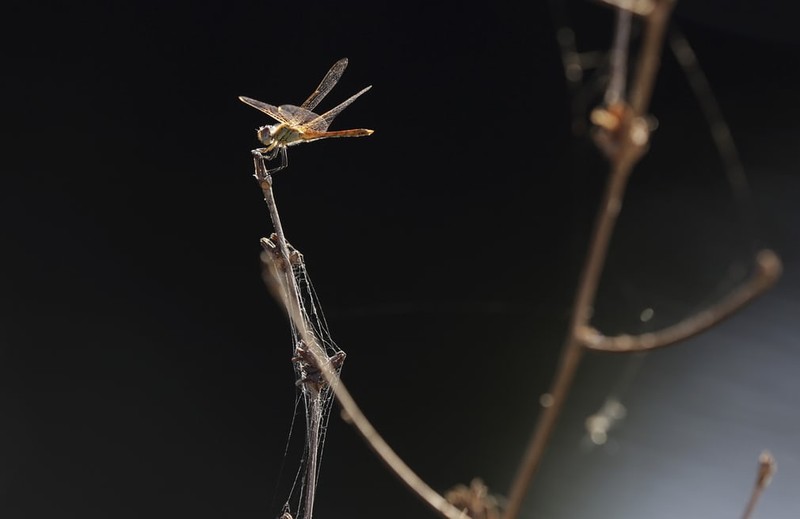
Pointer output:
298, 124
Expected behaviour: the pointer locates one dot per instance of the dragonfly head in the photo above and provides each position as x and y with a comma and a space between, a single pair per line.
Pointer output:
265, 136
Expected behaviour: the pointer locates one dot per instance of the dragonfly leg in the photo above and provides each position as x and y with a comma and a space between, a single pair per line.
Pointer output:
264, 156
284, 160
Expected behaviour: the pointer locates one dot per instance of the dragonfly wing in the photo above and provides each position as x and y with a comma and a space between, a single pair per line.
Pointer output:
321, 123
272, 111
296, 115
325, 86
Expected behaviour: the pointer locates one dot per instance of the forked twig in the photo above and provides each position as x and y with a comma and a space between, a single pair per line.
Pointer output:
624, 143
622, 135
288, 296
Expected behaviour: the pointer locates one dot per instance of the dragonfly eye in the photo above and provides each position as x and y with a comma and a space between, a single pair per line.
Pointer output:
265, 135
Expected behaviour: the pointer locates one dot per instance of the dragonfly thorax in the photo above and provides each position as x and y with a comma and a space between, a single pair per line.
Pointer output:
275, 135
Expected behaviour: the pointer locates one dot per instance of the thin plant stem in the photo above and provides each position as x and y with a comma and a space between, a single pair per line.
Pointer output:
352, 412
768, 270
629, 149
650, 56
573, 349
265, 182
766, 469
312, 432
619, 58
292, 300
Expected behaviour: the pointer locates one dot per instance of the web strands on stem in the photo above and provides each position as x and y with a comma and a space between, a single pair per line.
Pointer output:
298, 292
274, 263
311, 361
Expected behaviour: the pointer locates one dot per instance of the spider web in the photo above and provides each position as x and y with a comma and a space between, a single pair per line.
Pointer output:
317, 396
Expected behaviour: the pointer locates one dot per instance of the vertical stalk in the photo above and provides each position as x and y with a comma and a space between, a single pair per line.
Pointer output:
627, 146
265, 182
314, 406
573, 348
312, 397
350, 409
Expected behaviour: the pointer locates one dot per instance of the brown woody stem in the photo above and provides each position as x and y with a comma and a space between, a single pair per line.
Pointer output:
767, 271
624, 147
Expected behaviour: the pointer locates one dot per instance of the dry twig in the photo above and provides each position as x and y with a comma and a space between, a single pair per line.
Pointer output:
284, 288
623, 142
622, 134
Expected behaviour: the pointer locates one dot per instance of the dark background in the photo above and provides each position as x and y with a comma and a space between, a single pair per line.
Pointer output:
144, 369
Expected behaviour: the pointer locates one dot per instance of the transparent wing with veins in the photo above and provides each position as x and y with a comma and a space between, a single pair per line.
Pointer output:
321, 123
325, 86
301, 117
289, 114
306, 120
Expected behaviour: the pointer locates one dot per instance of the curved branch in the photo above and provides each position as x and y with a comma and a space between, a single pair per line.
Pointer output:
768, 270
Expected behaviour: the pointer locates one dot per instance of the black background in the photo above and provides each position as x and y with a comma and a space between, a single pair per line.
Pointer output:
144, 369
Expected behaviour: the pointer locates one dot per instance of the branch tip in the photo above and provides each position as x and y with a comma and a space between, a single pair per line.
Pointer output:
767, 466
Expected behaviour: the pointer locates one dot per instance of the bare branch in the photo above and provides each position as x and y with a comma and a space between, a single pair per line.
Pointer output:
624, 145
650, 55
284, 288
768, 270
615, 93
